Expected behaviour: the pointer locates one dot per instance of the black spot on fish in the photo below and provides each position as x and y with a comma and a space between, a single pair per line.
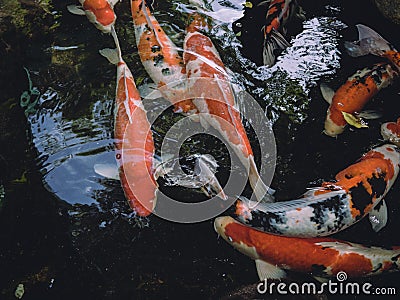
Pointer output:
158, 60
166, 71
155, 48
360, 198
377, 268
395, 258
266, 221
333, 205
318, 270
378, 184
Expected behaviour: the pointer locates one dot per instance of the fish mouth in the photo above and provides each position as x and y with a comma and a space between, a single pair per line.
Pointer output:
220, 223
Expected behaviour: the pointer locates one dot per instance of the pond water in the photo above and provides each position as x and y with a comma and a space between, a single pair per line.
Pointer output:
68, 232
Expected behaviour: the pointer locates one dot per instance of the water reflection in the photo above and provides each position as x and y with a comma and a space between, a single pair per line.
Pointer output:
68, 149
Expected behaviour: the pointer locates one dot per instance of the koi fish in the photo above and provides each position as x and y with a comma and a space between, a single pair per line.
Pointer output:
370, 42
358, 190
134, 145
320, 257
160, 57
99, 12
279, 11
208, 85
352, 96
391, 132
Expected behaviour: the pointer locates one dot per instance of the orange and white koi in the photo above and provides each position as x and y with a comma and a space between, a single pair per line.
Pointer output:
320, 257
213, 97
279, 11
358, 191
99, 12
160, 57
134, 146
353, 95
391, 132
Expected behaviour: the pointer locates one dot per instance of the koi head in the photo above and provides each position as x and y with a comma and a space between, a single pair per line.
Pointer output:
391, 132
332, 128
236, 235
100, 13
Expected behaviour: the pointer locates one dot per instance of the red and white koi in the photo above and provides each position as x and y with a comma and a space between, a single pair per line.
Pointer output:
279, 11
353, 95
160, 57
320, 257
358, 191
391, 132
134, 146
212, 94
99, 12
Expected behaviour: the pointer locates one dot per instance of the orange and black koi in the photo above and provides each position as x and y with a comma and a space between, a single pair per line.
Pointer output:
354, 94
358, 190
320, 257
99, 12
160, 57
212, 94
279, 11
134, 145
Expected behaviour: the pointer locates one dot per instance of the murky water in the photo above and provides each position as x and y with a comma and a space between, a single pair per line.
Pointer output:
77, 236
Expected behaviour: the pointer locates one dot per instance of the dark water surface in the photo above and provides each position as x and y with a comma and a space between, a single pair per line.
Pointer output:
66, 231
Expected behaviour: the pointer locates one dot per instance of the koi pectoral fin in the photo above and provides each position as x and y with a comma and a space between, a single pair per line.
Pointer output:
327, 92
370, 114
110, 54
74, 9
268, 271
107, 170
113, 2
378, 216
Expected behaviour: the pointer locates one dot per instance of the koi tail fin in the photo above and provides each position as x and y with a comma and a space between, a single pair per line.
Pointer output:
205, 168
369, 42
275, 41
261, 191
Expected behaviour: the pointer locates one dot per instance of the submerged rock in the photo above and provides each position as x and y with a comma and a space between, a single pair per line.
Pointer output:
390, 9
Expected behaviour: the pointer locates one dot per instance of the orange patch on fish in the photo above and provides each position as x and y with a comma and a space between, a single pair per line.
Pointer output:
297, 254
351, 97
102, 10
354, 264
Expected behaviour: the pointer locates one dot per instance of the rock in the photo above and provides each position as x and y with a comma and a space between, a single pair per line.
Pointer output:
390, 9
